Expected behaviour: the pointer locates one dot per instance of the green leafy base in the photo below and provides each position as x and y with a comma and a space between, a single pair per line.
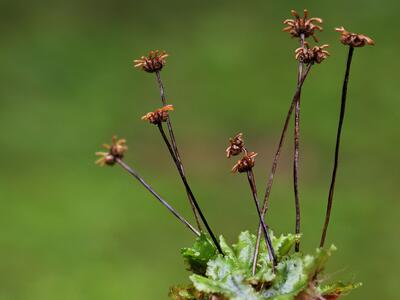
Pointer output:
297, 276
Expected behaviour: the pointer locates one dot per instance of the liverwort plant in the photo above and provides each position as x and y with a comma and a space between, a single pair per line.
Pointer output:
300, 28
250, 269
245, 165
154, 63
115, 155
352, 40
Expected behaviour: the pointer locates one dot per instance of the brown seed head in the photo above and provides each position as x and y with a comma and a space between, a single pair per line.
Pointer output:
354, 39
115, 150
314, 55
154, 62
298, 26
159, 115
246, 163
236, 145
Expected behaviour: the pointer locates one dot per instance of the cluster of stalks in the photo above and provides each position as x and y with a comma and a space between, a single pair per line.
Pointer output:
300, 28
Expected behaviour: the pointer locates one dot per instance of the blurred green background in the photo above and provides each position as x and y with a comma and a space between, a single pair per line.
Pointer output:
72, 230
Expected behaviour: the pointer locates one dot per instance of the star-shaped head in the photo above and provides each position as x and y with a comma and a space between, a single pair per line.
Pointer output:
246, 163
115, 151
159, 115
302, 25
353, 39
236, 145
154, 62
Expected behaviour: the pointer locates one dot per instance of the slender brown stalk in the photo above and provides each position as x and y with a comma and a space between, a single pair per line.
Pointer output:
296, 168
188, 189
157, 196
271, 252
339, 133
296, 150
275, 163
175, 147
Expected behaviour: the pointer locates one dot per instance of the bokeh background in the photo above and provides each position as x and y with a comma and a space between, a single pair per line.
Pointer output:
72, 230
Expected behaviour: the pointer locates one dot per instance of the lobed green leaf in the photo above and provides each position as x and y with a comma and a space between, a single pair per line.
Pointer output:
229, 276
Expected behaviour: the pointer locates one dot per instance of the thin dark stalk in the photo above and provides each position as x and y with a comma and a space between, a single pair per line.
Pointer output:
275, 164
157, 196
271, 252
296, 168
175, 147
339, 133
188, 189
296, 151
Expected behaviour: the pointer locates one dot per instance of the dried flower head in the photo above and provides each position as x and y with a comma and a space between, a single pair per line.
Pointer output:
300, 26
236, 145
354, 39
115, 150
159, 115
154, 62
314, 55
246, 163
